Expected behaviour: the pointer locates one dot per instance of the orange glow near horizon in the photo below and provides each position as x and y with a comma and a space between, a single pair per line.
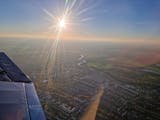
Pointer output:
71, 36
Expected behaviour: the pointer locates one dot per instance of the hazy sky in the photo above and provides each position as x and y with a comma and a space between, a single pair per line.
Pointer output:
103, 18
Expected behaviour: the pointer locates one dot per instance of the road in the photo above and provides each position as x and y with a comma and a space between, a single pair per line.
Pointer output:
91, 111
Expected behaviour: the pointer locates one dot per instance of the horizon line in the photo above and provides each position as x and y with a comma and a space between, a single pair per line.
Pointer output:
146, 40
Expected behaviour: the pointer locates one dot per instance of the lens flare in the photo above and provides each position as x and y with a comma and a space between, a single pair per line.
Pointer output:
62, 23
68, 17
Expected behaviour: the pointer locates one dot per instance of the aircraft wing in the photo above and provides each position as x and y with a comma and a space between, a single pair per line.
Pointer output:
18, 97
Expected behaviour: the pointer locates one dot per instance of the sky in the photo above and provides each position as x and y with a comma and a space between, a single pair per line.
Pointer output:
98, 18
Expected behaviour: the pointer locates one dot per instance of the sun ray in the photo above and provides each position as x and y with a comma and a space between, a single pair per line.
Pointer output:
85, 10
86, 19
49, 14
68, 18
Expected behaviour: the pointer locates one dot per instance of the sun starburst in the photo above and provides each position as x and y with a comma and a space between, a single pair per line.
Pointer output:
68, 17
62, 23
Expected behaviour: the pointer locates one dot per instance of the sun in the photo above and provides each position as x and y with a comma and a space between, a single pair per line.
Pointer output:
62, 23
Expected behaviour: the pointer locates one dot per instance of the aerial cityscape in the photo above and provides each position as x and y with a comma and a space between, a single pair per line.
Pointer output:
109, 82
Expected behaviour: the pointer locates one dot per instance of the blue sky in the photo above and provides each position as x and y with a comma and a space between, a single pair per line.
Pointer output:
110, 18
